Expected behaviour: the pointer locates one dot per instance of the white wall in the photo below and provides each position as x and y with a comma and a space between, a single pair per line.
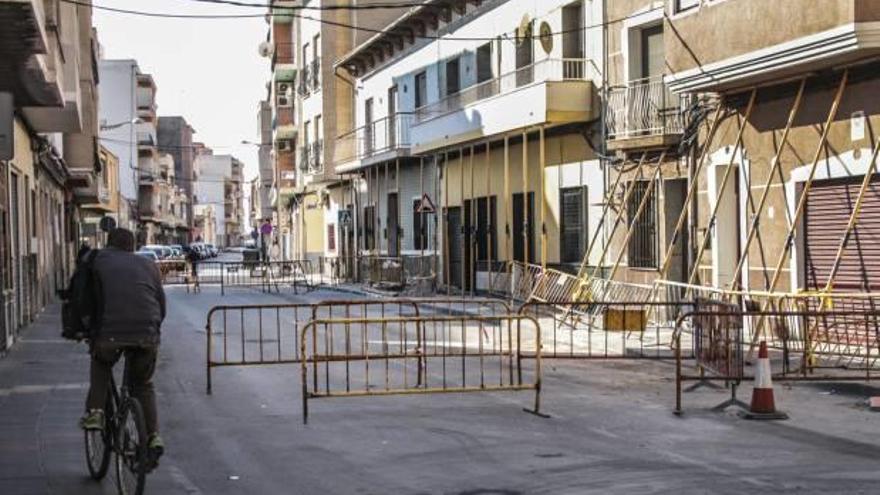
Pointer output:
117, 104
500, 20
209, 189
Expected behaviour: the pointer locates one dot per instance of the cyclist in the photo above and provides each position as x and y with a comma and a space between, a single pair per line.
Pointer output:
125, 317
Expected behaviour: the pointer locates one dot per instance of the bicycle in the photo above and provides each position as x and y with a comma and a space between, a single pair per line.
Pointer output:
125, 435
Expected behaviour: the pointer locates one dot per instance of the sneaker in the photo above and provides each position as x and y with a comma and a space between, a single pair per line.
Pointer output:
93, 420
156, 448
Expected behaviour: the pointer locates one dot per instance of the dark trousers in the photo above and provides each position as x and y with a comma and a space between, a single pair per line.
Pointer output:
141, 360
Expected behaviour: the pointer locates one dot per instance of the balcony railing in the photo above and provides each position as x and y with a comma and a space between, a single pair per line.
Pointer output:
315, 73
551, 69
305, 81
643, 108
316, 161
383, 135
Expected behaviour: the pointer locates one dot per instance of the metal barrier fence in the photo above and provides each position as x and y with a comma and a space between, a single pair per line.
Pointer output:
606, 330
267, 334
267, 275
720, 344
349, 357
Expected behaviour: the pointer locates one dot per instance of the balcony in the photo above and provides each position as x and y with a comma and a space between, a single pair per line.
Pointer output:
26, 70
304, 86
643, 114
314, 74
383, 139
310, 157
552, 91
723, 46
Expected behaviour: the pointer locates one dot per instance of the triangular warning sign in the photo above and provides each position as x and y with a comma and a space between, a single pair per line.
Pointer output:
426, 205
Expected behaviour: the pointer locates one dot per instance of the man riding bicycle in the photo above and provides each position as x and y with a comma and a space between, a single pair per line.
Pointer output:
124, 316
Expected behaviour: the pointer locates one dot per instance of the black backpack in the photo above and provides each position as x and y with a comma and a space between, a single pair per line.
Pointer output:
78, 305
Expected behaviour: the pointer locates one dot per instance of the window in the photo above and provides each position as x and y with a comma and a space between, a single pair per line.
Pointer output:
420, 227
653, 60
525, 57
484, 63
573, 229
369, 228
331, 237
642, 249
453, 82
305, 58
487, 241
682, 5
421, 89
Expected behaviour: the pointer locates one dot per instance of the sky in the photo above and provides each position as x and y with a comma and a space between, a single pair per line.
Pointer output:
208, 71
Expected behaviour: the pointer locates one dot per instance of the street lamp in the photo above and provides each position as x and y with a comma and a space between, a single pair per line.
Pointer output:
107, 127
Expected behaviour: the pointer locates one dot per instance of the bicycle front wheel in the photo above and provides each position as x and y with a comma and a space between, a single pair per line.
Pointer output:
131, 449
99, 445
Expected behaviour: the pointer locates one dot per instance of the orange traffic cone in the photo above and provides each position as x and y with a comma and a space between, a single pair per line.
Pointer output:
763, 406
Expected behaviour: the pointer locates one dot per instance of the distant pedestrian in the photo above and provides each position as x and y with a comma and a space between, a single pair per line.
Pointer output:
127, 314
84, 250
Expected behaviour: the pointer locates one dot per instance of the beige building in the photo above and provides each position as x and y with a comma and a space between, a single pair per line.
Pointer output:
49, 77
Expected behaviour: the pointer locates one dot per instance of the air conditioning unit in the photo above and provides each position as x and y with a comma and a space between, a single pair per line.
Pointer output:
285, 88
284, 145
283, 100
266, 49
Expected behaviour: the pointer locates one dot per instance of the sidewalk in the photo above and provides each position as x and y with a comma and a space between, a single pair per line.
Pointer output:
43, 383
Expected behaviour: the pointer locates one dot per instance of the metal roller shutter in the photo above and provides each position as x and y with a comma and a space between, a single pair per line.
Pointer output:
829, 205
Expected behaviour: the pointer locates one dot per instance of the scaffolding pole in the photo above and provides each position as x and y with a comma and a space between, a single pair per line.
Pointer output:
630, 187
691, 195
652, 182
853, 219
724, 180
472, 249
446, 264
597, 234
775, 166
802, 201
541, 164
508, 248
525, 199
489, 220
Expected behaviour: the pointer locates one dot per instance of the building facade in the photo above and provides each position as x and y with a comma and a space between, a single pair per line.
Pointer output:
175, 137
49, 154
220, 185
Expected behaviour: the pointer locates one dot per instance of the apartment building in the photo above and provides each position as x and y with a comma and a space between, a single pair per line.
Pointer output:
175, 137
48, 151
311, 101
219, 185
473, 136
107, 200
787, 185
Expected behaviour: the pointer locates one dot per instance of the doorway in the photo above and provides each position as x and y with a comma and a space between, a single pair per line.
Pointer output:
454, 245
523, 228
725, 233
674, 195
392, 224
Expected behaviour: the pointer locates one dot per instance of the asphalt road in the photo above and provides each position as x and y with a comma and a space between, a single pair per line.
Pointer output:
611, 429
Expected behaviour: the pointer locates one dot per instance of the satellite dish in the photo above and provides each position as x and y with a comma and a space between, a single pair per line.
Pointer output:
524, 30
266, 49
546, 36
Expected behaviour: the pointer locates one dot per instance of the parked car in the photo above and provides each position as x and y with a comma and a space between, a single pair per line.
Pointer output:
212, 250
146, 253
200, 249
178, 250
162, 252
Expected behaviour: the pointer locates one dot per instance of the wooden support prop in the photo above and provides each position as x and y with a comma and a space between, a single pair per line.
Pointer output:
721, 188
853, 219
775, 165
525, 199
446, 264
630, 187
472, 245
802, 202
597, 234
490, 222
652, 182
542, 162
508, 246
691, 195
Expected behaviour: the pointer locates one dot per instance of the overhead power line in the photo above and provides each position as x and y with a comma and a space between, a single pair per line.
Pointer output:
286, 11
373, 6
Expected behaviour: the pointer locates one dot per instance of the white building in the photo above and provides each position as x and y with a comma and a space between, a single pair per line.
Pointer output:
117, 113
219, 184
500, 95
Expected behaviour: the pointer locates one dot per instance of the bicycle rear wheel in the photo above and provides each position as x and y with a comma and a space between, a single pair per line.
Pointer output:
131, 449
99, 445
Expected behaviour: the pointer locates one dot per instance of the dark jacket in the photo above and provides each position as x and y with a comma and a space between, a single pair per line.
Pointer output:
130, 298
